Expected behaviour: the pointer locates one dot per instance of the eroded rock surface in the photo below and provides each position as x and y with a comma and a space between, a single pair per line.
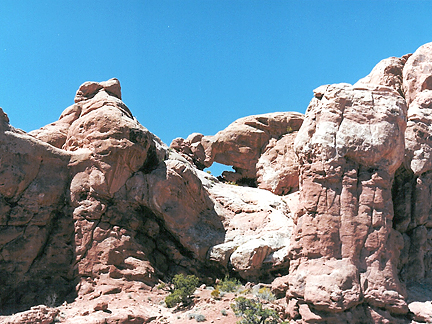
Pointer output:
258, 147
258, 226
387, 72
36, 236
277, 168
345, 250
413, 183
95, 205
95, 210
393, 249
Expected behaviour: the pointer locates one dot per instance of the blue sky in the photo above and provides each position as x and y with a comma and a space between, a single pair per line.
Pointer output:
195, 66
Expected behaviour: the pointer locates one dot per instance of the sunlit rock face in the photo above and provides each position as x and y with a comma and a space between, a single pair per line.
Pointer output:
258, 147
362, 235
332, 207
345, 250
94, 204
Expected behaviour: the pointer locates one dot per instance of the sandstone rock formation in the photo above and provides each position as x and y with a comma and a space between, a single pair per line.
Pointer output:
258, 228
387, 72
345, 251
362, 234
259, 148
334, 207
94, 205
412, 187
35, 233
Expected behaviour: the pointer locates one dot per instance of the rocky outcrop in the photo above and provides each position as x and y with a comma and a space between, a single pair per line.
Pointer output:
103, 204
388, 72
336, 205
362, 231
413, 182
417, 73
37, 314
345, 251
36, 245
277, 168
259, 148
258, 228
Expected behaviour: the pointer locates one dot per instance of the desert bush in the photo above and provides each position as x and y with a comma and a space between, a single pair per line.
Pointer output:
233, 183
198, 317
184, 287
215, 293
228, 284
265, 293
252, 312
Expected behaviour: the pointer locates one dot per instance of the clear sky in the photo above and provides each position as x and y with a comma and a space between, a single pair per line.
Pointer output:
195, 66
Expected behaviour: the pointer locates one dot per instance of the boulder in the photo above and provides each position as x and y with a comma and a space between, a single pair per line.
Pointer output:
258, 227
417, 73
277, 167
422, 312
387, 72
191, 148
37, 314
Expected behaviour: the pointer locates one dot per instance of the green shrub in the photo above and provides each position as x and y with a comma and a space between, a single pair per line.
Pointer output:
173, 299
233, 183
189, 283
215, 293
245, 291
184, 287
228, 284
252, 312
162, 285
265, 293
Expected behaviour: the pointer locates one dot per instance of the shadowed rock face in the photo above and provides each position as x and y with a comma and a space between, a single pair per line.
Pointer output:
413, 182
35, 233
